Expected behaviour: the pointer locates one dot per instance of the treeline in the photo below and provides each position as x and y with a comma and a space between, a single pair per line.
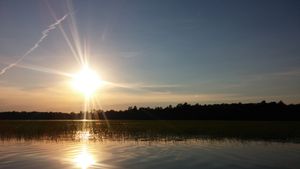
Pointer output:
185, 111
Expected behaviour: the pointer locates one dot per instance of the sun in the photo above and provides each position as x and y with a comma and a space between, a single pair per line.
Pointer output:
86, 81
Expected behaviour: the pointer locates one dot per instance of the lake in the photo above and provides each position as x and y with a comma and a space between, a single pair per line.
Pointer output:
149, 144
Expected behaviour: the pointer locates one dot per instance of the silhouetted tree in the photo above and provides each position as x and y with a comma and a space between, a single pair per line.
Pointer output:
185, 111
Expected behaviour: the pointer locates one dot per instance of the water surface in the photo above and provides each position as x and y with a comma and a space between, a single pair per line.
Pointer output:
140, 144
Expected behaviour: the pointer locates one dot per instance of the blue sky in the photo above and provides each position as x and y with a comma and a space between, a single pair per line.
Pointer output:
165, 51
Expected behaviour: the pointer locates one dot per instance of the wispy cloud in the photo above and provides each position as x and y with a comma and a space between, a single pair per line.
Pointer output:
141, 87
36, 45
272, 75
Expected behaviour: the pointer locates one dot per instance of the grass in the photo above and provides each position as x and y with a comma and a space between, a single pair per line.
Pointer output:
152, 130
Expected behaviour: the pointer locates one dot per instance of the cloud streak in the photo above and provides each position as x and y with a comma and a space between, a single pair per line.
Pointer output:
36, 45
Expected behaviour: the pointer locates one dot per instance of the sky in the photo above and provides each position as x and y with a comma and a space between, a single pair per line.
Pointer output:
155, 52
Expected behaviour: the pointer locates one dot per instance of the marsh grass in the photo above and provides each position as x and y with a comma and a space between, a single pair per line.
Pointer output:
150, 130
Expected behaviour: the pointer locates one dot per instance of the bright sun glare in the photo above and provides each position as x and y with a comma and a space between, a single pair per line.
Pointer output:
84, 159
87, 81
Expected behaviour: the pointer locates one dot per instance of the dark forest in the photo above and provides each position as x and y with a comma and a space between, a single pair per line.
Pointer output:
235, 111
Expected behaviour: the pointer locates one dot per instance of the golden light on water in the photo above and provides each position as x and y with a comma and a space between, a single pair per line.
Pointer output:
84, 159
83, 135
87, 81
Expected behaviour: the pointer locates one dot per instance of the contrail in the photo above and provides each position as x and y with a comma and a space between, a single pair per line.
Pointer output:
45, 34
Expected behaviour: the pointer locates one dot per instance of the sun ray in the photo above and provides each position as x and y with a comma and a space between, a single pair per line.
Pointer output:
44, 70
74, 32
98, 103
71, 46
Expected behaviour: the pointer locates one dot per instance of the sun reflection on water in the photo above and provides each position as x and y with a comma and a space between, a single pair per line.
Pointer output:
84, 159
83, 135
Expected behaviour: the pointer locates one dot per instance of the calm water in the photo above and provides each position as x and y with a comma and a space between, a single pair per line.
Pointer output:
84, 147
